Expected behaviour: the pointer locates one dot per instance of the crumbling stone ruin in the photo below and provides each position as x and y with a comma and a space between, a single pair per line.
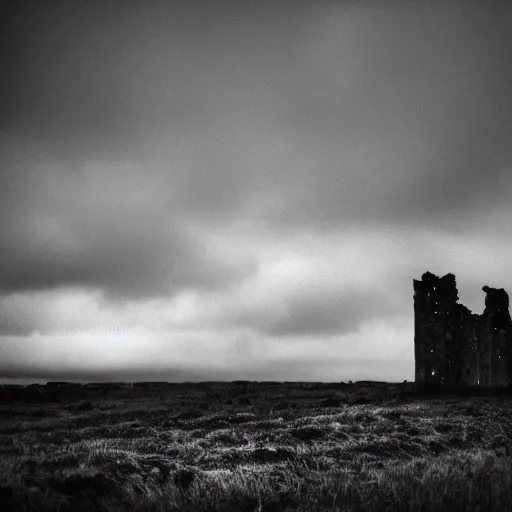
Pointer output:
455, 348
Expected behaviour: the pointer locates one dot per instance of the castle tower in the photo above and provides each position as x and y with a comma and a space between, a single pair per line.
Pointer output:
496, 308
454, 347
437, 321
497, 338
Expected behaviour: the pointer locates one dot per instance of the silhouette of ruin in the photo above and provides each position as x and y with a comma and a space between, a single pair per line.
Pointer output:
455, 348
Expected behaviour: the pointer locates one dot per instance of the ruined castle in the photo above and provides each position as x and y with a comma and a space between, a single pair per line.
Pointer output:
455, 348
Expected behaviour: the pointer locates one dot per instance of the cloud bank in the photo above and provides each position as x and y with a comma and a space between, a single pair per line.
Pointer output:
272, 174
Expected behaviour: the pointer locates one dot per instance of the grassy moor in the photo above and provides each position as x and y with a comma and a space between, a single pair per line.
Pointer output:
244, 446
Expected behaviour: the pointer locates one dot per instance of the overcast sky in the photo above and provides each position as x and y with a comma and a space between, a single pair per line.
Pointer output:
219, 190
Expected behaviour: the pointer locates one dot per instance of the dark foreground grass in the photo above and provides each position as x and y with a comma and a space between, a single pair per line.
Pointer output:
165, 455
472, 481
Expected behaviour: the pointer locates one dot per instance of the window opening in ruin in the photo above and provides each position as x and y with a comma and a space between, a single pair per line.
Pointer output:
432, 350
433, 372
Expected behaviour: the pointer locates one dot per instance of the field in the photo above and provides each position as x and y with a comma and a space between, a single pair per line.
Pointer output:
254, 447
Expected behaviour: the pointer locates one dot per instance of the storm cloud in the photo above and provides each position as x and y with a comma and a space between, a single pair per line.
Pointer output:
270, 171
